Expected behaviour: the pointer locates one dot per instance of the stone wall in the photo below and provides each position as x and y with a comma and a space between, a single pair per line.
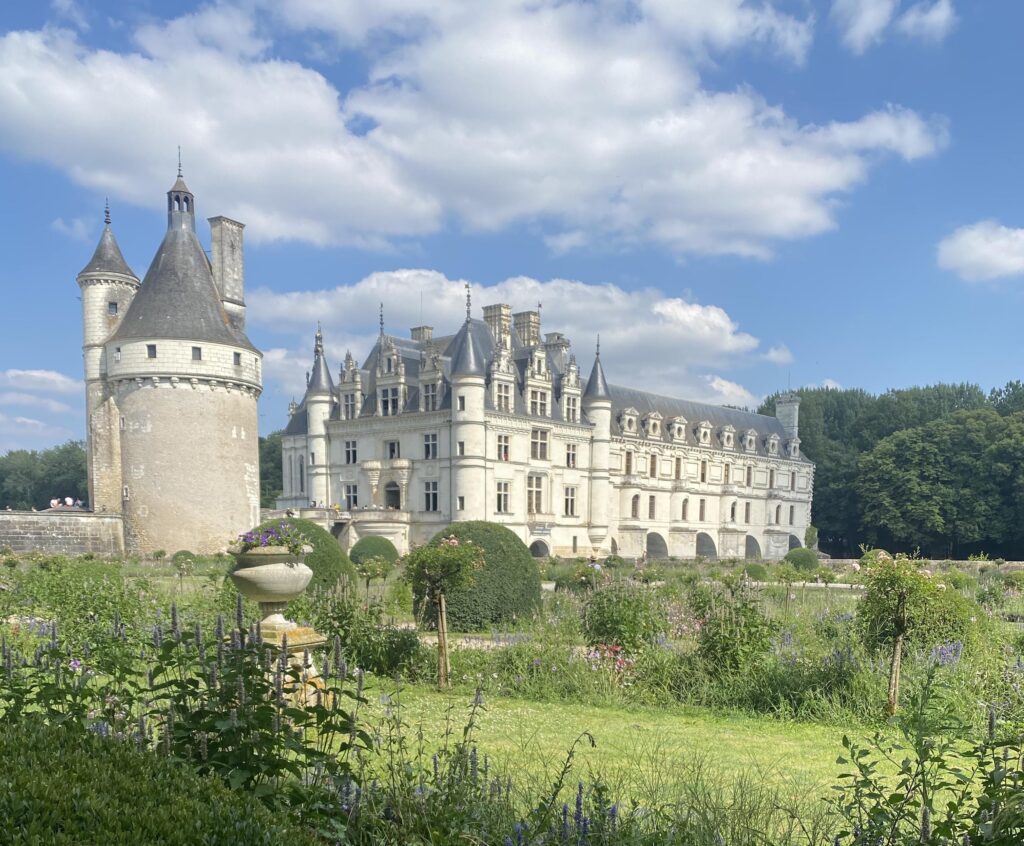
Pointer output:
68, 533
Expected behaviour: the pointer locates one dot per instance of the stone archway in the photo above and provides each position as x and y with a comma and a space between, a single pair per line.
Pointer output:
392, 495
706, 546
657, 549
539, 549
794, 542
753, 549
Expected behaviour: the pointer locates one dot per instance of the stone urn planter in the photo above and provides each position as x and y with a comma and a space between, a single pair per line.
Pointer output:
273, 577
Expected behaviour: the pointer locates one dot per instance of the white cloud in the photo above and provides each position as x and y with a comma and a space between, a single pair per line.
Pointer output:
928, 21
71, 12
29, 433
778, 354
42, 381
666, 345
22, 399
831, 384
983, 251
77, 229
590, 123
863, 22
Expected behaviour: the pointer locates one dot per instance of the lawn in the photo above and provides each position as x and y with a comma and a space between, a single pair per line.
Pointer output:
638, 749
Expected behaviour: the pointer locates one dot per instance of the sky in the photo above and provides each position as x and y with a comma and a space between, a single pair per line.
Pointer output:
738, 197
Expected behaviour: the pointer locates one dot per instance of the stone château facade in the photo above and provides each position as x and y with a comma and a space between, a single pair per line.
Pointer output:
171, 387
496, 423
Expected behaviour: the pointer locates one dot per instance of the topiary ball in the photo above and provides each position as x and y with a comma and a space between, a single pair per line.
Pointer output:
328, 560
757, 572
803, 559
373, 547
506, 589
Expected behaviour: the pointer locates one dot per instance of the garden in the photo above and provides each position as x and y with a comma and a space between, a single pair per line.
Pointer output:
467, 693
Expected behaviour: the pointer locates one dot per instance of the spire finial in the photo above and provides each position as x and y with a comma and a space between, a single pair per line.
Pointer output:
318, 346
179, 160
469, 303
598, 344
382, 320
106, 210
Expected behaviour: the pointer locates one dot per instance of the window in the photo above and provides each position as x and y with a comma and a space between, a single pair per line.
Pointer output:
686, 509
629, 462
351, 455
570, 502
351, 497
570, 455
725, 474
572, 409
504, 447
350, 406
312, 459
732, 513
703, 471
502, 504
124, 493
462, 402
504, 396
651, 504
679, 468
197, 353
124, 423
703, 511
430, 448
460, 448
389, 402
430, 496
393, 449
117, 353
792, 514
534, 494
771, 478
750, 476
539, 403
112, 309
150, 350
430, 397
792, 481
302, 475
574, 544
460, 503
539, 444
390, 366
653, 469
238, 359
634, 507
778, 514
746, 512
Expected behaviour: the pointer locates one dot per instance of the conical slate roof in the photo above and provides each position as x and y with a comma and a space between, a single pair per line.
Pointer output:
108, 258
320, 381
467, 358
178, 298
597, 385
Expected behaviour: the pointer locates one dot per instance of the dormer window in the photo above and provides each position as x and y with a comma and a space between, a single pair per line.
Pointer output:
793, 447
652, 425
750, 440
704, 433
773, 444
628, 421
728, 436
112, 309
677, 428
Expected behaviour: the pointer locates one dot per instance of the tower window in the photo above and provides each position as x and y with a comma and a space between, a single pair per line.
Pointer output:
460, 503
430, 496
504, 447
150, 350
686, 508
460, 447
634, 507
197, 353
462, 402
117, 353
238, 359
570, 502
112, 309
651, 503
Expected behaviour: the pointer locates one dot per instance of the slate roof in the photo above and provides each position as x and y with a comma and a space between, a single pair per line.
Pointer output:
471, 349
597, 385
108, 258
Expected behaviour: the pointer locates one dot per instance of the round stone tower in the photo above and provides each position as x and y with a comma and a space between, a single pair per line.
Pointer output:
469, 430
598, 407
185, 379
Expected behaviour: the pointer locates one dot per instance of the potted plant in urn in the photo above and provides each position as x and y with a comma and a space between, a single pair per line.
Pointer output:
270, 569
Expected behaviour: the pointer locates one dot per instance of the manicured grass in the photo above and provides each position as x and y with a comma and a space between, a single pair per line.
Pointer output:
638, 750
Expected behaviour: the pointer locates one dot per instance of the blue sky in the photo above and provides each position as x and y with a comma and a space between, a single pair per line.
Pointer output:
736, 195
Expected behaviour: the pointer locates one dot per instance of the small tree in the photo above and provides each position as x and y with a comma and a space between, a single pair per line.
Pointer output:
369, 569
436, 570
899, 600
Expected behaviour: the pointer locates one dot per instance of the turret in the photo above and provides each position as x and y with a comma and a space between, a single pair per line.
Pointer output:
469, 434
787, 410
108, 286
597, 405
318, 401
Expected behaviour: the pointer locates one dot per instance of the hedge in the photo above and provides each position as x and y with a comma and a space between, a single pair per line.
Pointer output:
328, 560
61, 787
373, 547
506, 589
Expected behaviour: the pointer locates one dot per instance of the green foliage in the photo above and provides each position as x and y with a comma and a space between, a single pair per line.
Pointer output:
182, 555
735, 633
811, 537
62, 787
159, 554
756, 571
373, 547
623, 615
271, 469
328, 560
30, 478
803, 559
506, 588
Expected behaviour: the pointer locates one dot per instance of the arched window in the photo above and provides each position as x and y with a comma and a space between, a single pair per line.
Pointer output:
686, 509
778, 513
634, 510
732, 513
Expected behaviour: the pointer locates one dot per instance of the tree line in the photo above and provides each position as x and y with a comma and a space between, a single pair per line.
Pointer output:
938, 469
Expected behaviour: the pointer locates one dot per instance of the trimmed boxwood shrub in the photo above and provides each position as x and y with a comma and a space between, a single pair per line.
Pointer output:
373, 547
507, 588
803, 559
757, 572
59, 787
181, 556
328, 560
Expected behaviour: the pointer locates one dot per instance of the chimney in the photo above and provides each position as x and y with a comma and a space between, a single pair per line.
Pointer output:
422, 333
228, 266
499, 318
557, 346
527, 326
787, 411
